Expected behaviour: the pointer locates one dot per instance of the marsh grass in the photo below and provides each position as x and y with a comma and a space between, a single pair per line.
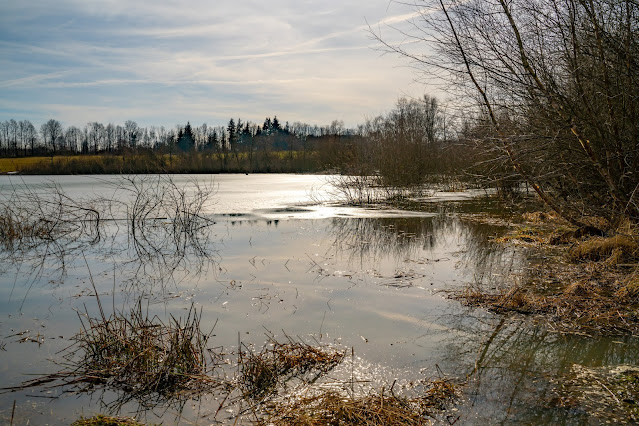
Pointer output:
138, 355
145, 356
383, 407
586, 284
165, 364
278, 362
102, 420
614, 250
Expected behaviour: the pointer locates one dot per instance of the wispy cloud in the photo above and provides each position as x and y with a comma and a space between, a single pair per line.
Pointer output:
303, 60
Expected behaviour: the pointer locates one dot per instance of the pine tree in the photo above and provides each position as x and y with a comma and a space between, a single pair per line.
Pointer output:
186, 141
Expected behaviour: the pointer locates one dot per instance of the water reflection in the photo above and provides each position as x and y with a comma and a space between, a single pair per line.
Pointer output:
151, 230
515, 368
365, 282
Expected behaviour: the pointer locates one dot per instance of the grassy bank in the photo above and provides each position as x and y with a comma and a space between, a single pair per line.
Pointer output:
576, 281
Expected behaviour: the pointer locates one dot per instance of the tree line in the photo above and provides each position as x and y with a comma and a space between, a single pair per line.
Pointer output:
21, 138
404, 146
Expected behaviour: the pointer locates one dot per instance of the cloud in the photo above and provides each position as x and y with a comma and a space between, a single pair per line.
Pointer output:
175, 60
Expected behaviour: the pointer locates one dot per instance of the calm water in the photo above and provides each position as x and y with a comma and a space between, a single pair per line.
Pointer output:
281, 259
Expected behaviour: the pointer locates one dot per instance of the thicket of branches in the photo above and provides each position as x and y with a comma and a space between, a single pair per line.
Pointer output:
554, 84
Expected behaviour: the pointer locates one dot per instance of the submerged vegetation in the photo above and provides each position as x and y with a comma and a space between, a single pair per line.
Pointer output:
138, 356
608, 394
261, 372
102, 420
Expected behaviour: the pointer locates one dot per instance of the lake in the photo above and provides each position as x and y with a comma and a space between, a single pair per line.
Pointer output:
279, 258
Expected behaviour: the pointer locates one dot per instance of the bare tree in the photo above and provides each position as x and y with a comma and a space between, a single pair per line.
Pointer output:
13, 135
29, 136
110, 137
555, 82
96, 135
73, 137
51, 131
132, 132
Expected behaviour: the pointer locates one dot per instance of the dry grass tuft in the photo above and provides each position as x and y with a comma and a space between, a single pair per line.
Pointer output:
587, 306
15, 227
525, 235
615, 249
539, 217
141, 356
144, 356
515, 299
277, 363
102, 420
376, 408
630, 289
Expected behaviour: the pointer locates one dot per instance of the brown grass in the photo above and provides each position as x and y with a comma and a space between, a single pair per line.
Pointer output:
588, 298
19, 226
525, 235
102, 420
584, 284
277, 363
616, 249
376, 408
150, 361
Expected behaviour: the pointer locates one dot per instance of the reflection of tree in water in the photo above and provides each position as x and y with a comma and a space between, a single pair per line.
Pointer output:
373, 238
513, 366
407, 237
491, 264
151, 228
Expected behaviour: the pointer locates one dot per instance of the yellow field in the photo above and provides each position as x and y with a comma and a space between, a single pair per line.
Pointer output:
109, 163
16, 164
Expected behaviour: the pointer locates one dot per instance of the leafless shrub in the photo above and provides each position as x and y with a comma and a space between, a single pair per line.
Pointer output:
30, 216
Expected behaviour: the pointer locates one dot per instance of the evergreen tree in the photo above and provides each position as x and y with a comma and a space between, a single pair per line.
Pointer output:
186, 140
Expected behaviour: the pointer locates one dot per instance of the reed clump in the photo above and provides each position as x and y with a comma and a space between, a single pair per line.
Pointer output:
331, 407
140, 356
144, 356
16, 228
278, 362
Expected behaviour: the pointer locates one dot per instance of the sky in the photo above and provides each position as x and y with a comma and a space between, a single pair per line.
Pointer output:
166, 62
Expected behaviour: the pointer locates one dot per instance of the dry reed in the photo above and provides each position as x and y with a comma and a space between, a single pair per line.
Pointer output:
331, 407
277, 363
102, 420
143, 357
